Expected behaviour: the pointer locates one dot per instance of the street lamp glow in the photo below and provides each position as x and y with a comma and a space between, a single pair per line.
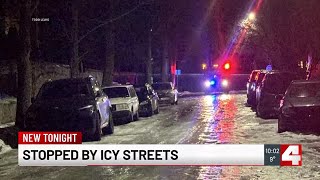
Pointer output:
225, 83
204, 66
252, 16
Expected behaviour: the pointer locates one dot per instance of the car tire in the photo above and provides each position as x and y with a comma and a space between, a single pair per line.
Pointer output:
150, 112
281, 129
130, 118
261, 113
98, 132
258, 110
136, 116
157, 110
110, 128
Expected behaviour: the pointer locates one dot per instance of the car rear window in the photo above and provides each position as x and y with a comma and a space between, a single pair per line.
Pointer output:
142, 93
304, 90
116, 92
277, 83
260, 76
252, 76
58, 90
161, 86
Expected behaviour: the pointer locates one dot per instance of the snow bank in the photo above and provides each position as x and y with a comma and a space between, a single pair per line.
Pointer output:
7, 110
4, 148
4, 134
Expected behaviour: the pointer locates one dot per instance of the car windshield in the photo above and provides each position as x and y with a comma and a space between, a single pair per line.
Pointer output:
161, 86
58, 90
142, 93
304, 90
277, 83
116, 92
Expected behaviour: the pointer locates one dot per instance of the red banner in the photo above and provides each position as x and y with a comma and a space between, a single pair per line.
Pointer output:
49, 137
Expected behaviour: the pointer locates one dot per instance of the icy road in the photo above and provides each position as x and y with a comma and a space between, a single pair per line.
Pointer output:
211, 119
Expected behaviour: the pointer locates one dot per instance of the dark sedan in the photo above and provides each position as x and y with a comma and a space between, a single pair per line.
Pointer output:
166, 92
148, 99
71, 105
274, 83
300, 107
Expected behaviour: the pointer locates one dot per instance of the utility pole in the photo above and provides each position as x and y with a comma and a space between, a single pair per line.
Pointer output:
149, 59
74, 64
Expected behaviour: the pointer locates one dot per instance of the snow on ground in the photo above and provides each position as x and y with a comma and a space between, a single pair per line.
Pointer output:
6, 125
211, 119
4, 147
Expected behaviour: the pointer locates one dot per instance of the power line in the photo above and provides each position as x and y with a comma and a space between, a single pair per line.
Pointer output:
109, 21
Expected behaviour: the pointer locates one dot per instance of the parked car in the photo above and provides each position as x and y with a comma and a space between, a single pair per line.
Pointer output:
166, 92
124, 101
250, 87
300, 107
273, 83
258, 80
148, 99
71, 105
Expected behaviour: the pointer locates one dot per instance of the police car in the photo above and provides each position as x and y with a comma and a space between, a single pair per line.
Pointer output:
218, 79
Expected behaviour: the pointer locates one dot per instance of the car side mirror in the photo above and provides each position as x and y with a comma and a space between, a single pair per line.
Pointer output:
279, 97
32, 100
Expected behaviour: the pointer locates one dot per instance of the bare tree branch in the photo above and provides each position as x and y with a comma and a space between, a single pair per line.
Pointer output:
35, 6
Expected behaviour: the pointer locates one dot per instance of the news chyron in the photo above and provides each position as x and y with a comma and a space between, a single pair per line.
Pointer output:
67, 149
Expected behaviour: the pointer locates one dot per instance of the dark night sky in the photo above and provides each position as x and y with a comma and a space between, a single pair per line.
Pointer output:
194, 36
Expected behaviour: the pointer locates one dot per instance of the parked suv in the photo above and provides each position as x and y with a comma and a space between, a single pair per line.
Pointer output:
166, 92
250, 87
273, 83
124, 100
71, 105
300, 107
149, 100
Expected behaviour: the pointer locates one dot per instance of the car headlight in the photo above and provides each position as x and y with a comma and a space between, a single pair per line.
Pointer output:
88, 108
123, 106
207, 83
225, 83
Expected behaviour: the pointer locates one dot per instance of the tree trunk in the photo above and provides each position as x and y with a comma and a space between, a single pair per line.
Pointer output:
165, 60
74, 63
24, 64
149, 60
107, 78
110, 55
36, 53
